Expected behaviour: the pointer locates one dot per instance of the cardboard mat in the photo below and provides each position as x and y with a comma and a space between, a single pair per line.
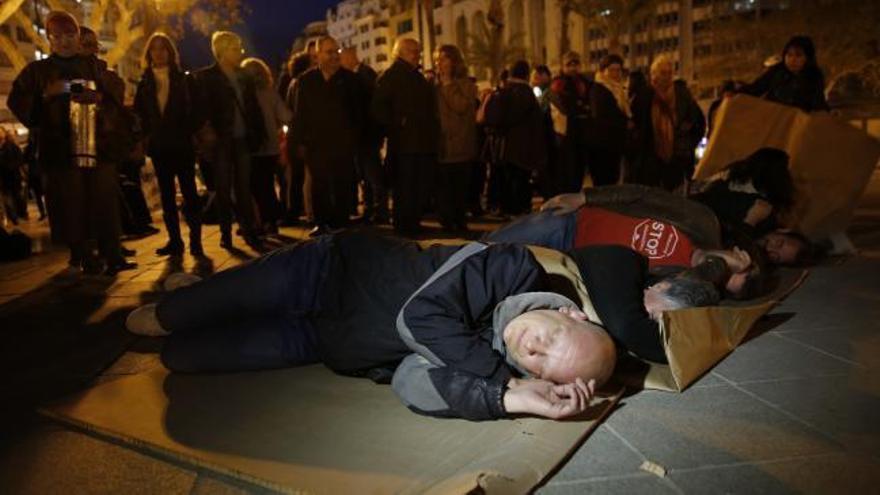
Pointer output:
307, 430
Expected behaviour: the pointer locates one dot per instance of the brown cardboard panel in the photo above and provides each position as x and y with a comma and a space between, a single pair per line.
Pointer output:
309, 430
830, 160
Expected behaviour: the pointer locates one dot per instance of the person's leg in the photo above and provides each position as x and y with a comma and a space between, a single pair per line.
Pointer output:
192, 211
282, 283
320, 192
103, 191
341, 194
263, 187
255, 344
406, 190
244, 200
444, 192
544, 228
222, 177
520, 189
376, 179
165, 168
460, 182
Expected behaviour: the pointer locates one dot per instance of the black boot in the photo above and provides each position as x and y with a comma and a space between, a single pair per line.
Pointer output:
174, 247
195, 240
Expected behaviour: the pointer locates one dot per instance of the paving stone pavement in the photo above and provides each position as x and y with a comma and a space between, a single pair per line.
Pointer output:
793, 410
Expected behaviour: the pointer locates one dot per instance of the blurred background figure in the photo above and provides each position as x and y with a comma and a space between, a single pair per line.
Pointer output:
796, 80
265, 160
457, 149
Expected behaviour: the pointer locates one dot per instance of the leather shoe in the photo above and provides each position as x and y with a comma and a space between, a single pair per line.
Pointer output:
173, 248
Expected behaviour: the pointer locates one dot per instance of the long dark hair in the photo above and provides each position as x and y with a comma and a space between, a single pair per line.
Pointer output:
174, 57
806, 45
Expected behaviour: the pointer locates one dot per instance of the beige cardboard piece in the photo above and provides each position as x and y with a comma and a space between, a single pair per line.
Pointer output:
831, 161
308, 430
694, 339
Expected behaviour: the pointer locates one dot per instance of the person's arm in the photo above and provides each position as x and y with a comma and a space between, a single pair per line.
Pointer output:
762, 85
433, 390
298, 124
26, 98
439, 320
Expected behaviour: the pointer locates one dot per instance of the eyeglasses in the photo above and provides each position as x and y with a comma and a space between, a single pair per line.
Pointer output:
572, 63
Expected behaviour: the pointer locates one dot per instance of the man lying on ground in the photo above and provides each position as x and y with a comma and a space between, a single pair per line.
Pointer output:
464, 332
670, 231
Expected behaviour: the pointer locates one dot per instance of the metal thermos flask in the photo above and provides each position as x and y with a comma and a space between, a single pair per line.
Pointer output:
83, 127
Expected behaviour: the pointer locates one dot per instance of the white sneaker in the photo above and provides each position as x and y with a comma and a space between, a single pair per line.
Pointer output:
179, 279
143, 321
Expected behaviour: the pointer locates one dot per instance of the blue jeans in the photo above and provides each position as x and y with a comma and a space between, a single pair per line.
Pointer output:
544, 228
254, 316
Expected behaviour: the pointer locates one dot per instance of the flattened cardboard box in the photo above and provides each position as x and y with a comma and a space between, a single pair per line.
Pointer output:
830, 160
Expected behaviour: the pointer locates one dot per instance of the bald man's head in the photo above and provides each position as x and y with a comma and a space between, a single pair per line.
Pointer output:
408, 50
560, 346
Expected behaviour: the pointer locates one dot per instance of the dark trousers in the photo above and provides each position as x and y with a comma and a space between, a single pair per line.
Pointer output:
412, 174
515, 189
232, 175
296, 177
169, 167
476, 184
605, 166
83, 205
263, 169
330, 188
135, 214
373, 176
35, 184
451, 193
571, 162
254, 316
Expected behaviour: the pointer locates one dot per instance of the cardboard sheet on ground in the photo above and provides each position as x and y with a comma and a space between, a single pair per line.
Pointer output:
694, 339
830, 160
307, 430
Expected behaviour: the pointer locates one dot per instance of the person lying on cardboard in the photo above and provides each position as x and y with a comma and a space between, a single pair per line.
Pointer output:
465, 332
630, 300
670, 231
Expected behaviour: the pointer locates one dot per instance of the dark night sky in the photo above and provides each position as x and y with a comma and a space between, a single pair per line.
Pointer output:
268, 30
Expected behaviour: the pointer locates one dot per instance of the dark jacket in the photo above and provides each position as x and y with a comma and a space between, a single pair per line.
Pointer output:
404, 106
169, 132
217, 103
609, 131
616, 278
804, 90
50, 117
328, 115
372, 132
11, 163
690, 126
370, 279
515, 114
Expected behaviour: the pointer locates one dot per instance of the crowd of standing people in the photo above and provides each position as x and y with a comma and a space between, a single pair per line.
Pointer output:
331, 134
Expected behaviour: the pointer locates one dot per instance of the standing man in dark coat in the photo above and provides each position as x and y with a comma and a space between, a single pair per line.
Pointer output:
369, 162
228, 100
327, 123
404, 105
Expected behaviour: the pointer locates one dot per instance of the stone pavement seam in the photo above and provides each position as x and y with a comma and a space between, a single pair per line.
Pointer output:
782, 411
821, 351
666, 481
